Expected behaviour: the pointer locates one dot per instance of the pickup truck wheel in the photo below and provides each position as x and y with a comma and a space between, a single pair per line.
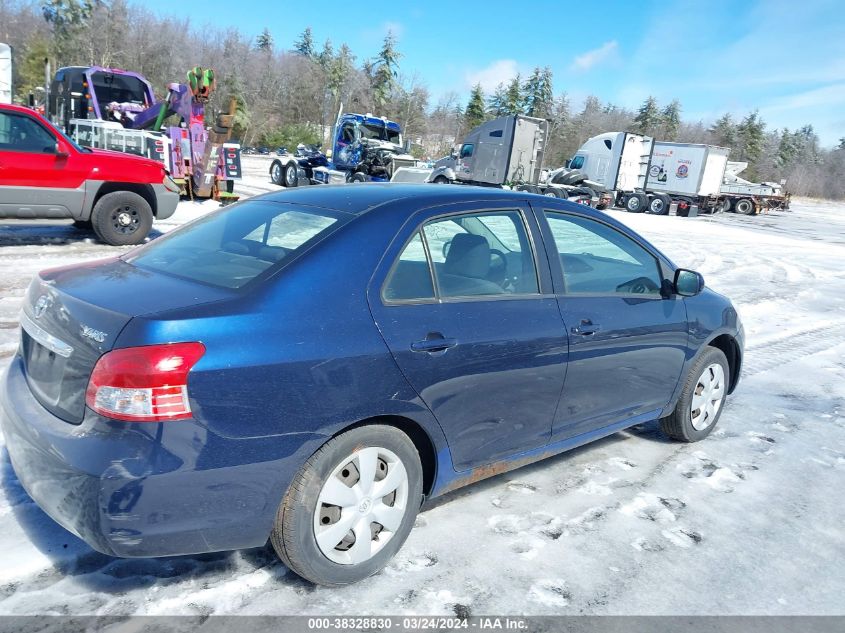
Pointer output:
276, 173
744, 206
350, 507
122, 218
291, 175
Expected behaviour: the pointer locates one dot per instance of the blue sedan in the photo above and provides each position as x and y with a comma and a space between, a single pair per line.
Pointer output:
311, 365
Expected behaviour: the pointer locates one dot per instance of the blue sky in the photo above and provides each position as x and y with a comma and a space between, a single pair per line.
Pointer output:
786, 59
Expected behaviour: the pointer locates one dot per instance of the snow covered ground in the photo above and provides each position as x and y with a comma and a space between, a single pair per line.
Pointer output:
749, 521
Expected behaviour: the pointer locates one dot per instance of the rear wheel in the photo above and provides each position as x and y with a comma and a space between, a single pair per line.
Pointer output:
744, 206
350, 507
276, 173
702, 399
122, 218
441, 180
551, 192
659, 204
291, 175
636, 203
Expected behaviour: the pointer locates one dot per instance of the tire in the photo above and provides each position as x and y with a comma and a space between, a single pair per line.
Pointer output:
745, 206
277, 173
298, 526
358, 177
636, 203
291, 174
659, 204
441, 180
122, 218
683, 424
726, 206
551, 192
82, 225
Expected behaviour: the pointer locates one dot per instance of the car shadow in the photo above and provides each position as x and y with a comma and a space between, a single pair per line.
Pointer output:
50, 234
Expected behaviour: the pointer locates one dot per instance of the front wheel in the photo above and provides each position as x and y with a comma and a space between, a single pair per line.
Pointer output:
702, 399
350, 507
122, 218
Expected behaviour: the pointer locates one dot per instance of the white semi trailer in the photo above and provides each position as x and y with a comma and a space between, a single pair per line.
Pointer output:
5, 73
642, 174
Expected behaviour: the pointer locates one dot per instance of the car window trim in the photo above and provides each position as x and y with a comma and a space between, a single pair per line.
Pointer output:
564, 291
438, 299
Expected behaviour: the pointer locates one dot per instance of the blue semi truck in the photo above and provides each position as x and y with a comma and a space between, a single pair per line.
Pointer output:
364, 148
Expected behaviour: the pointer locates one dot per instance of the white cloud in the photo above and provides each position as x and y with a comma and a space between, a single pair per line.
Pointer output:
587, 60
498, 72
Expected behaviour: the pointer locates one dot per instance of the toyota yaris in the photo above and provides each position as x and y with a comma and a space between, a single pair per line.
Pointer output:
310, 365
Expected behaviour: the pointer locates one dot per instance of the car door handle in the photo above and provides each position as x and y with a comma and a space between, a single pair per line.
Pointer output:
586, 328
433, 344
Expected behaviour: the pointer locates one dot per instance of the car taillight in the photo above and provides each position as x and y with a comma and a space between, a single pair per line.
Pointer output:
144, 384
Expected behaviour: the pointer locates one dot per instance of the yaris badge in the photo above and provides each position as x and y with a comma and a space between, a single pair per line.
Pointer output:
41, 305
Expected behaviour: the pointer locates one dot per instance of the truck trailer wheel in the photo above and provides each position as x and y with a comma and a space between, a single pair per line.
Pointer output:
636, 203
659, 204
551, 192
745, 207
291, 174
122, 218
276, 173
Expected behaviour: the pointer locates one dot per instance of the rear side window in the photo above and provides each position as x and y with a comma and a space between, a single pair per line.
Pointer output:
238, 244
410, 278
471, 255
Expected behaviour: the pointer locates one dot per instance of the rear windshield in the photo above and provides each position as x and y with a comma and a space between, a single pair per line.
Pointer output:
238, 244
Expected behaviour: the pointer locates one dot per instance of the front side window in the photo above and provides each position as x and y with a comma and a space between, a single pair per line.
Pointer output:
597, 259
466, 150
577, 162
232, 247
20, 133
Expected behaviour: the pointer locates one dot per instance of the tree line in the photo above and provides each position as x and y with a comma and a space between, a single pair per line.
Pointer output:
291, 92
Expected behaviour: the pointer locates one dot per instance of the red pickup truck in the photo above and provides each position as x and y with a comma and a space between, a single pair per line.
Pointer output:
45, 175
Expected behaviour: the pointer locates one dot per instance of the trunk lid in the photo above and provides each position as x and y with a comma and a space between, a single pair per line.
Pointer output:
73, 315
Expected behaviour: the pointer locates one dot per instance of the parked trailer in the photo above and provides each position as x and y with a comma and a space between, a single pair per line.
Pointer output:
506, 152
646, 175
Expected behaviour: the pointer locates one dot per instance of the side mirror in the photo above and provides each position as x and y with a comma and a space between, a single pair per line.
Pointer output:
688, 283
568, 160
60, 150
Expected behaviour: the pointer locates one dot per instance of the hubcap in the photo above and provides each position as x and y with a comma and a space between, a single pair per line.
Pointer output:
361, 505
291, 173
707, 397
633, 203
277, 172
125, 219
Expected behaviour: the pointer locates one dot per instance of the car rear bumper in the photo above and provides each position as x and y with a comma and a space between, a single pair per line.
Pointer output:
166, 202
146, 489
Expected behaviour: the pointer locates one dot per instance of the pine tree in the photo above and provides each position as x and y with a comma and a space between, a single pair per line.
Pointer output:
305, 44
841, 143
326, 56
723, 131
538, 93
750, 137
648, 117
496, 102
474, 114
384, 70
264, 42
514, 99
671, 120
67, 17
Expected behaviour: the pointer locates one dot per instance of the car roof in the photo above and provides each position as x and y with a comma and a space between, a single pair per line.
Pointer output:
16, 108
362, 197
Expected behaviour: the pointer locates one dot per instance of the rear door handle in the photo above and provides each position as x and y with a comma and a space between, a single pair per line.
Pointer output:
586, 328
433, 344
